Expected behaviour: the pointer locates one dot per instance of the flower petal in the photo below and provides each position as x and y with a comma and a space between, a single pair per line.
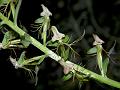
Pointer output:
57, 35
97, 40
45, 12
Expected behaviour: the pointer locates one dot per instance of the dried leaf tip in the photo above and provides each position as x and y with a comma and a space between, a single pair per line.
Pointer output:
56, 34
45, 12
97, 40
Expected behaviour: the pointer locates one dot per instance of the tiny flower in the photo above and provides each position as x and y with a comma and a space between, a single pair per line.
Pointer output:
68, 67
97, 40
45, 12
57, 35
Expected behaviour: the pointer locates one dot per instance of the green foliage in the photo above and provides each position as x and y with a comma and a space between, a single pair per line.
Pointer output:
105, 65
39, 20
92, 50
37, 60
67, 77
99, 58
22, 58
82, 78
25, 40
3, 2
8, 37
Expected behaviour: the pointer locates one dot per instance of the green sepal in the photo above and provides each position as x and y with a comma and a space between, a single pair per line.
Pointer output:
22, 58
67, 77
64, 52
105, 65
82, 78
92, 50
3, 2
66, 39
9, 36
53, 44
40, 20
35, 60
25, 40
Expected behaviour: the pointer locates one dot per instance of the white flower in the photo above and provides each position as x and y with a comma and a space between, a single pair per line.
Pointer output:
57, 35
45, 12
97, 40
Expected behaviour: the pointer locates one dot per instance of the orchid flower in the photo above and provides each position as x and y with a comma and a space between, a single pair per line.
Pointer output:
97, 40
56, 34
45, 12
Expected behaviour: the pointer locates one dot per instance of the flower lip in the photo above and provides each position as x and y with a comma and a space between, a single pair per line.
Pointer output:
97, 40
45, 12
56, 34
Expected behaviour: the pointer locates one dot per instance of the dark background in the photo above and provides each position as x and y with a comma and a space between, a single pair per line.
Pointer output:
71, 17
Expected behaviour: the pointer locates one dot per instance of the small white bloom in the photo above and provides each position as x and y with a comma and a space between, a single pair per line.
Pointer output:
57, 35
97, 40
45, 12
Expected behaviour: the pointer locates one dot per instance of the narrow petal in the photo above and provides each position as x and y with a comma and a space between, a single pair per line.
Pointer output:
45, 12
97, 40
57, 35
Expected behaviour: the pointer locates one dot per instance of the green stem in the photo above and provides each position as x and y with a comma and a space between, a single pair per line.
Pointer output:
17, 11
45, 28
31, 39
95, 76
57, 58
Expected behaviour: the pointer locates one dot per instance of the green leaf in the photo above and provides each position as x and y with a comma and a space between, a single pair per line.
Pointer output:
45, 29
66, 39
66, 54
112, 49
53, 44
35, 60
67, 77
41, 59
62, 51
92, 50
105, 65
10, 35
25, 40
99, 58
81, 77
22, 58
40, 20
12, 7
3, 2
1, 23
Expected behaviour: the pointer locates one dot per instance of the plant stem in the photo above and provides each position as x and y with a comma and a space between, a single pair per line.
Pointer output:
17, 11
95, 76
57, 58
31, 39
